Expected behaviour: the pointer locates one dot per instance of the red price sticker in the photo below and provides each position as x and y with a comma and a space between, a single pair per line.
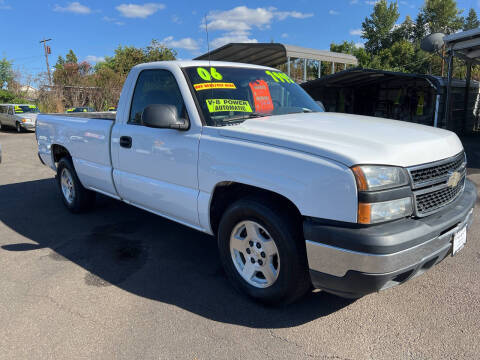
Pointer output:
261, 96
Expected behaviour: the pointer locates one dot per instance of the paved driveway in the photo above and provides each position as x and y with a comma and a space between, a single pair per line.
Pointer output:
120, 283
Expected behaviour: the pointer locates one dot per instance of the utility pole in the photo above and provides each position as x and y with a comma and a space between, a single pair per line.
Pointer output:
47, 51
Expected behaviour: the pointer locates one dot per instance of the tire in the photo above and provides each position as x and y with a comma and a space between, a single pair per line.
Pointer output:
19, 128
289, 266
75, 197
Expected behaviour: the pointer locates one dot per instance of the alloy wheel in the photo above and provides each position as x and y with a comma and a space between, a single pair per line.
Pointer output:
68, 189
254, 254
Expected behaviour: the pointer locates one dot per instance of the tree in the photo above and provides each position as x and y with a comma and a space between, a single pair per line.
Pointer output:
159, 52
127, 57
60, 63
406, 31
69, 72
471, 21
349, 47
6, 96
78, 84
397, 47
6, 73
378, 27
442, 16
398, 57
71, 58
421, 27
9, 83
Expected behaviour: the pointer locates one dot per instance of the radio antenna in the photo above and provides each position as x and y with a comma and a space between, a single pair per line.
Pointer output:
208, 42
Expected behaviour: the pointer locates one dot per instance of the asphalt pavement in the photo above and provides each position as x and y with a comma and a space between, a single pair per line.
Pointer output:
120, 283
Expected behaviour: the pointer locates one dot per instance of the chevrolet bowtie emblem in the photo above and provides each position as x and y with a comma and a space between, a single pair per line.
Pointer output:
454, 179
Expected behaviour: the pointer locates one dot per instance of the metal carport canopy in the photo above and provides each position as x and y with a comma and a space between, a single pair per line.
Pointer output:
273, 54
360, 76
465, 44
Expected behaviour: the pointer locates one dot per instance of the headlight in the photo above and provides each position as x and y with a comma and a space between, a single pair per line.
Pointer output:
373, 213
377, 177
24, 120
374, 177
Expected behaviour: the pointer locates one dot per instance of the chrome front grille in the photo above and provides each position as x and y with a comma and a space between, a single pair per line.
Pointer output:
430, 183
434, 199
438, 171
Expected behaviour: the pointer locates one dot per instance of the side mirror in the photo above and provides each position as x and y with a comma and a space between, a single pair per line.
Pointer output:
319, 103
163, 117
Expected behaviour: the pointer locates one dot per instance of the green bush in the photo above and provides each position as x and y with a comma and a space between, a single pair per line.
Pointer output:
7, 97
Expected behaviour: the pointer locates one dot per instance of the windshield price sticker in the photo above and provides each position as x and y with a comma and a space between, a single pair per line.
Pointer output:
208, 75
279, 76
210, 85
261, 96
219, 105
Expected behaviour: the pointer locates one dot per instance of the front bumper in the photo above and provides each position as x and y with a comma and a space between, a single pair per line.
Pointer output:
28, 126
355, 261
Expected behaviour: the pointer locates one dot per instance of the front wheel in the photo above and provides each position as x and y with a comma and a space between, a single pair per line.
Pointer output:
75, 197
19, 128
263, 252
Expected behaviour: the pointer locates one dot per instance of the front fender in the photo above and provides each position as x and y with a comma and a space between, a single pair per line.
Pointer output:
319, 187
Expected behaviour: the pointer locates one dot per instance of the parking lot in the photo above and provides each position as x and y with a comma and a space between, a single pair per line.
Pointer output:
120, 283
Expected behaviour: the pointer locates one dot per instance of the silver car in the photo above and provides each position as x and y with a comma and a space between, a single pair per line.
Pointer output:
19, 116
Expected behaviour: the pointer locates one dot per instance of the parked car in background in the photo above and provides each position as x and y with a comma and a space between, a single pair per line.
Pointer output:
80, 109
19, 116
296, 196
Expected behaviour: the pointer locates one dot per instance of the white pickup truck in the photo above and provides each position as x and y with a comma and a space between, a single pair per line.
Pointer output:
294, 195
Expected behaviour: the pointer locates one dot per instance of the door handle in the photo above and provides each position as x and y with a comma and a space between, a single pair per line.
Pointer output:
126, 142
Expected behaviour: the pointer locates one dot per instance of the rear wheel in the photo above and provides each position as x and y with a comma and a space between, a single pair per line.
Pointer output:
75, 197
263, 252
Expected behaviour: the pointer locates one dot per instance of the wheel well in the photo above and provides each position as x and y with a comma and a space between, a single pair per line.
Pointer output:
226, 193
59, 152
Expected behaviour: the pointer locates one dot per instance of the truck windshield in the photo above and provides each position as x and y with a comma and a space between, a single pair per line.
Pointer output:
22, 109
230, 95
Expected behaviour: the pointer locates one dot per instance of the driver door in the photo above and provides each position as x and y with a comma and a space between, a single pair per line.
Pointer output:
157, 168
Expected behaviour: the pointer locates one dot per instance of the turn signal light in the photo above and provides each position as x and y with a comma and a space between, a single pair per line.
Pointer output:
373, 213
364, 213
362, 184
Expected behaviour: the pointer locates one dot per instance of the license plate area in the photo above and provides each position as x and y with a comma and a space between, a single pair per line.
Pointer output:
459, 240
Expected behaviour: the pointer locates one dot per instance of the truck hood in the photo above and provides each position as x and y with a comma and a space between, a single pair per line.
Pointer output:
350, 139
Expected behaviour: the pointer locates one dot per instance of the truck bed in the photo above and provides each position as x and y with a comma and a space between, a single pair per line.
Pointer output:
101, 115
87, 138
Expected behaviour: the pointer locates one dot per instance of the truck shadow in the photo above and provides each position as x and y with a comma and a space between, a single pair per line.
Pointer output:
12, 130
119, 245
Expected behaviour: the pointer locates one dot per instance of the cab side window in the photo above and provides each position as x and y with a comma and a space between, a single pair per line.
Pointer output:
10, 110
155, 87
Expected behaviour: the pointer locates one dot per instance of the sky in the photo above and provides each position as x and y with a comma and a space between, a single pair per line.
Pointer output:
94, 29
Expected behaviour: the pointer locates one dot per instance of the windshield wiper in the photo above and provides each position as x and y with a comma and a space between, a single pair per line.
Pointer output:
245, 116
